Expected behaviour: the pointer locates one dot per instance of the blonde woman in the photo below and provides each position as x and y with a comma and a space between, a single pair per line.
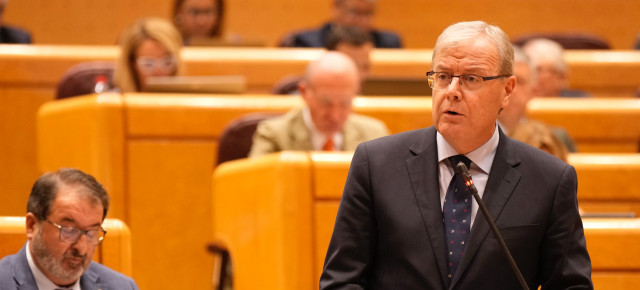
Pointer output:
540, 135
150, 47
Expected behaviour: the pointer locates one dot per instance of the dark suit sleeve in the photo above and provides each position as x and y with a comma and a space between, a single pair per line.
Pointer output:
564, 261
354, 234
386, 39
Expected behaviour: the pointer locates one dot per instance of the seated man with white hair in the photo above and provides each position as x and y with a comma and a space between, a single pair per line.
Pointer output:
327, 122
547, 57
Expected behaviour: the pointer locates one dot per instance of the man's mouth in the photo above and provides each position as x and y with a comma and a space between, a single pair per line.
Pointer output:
452, 113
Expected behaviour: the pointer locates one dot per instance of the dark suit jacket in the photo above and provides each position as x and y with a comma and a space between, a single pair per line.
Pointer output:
317, 38
14, 35
16, 274
389, 232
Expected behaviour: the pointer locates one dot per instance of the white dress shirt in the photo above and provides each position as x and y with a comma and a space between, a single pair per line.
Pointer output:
318, 139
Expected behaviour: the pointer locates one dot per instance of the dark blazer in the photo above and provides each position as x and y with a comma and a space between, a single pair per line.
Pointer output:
14, 35
16, 274
389, 232
318, 37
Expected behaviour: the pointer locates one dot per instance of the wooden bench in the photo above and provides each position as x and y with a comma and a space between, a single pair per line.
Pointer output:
281, 223
597, 125
114, 252
154, 154
165, 145
42, 66
606, 182
29, 76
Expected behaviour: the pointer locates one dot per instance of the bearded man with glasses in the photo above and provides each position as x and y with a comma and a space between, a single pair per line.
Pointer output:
65, 212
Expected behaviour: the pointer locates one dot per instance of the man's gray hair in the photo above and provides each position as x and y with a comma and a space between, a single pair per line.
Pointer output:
520, 56
453, 35
548, 50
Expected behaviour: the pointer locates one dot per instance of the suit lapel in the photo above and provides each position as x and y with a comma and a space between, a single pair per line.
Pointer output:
423, 172
22, 272
90, 280
500, 185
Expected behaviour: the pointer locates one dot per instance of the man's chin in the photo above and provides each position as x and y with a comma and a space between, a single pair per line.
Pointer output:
73, 268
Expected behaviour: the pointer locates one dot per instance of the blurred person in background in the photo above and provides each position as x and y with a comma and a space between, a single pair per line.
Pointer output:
547, 56
327, 122
356, 43
515, 113
198, 18
345, 13
10, 34
540, 135
150, 47
350, 40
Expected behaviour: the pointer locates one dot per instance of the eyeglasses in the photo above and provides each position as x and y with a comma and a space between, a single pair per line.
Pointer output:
195, 12
354, 13
149, 63
469, 82
71, 235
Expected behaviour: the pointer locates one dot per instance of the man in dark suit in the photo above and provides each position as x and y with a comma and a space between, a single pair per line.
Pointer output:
64, 216
11, 34
345, 13
391, 232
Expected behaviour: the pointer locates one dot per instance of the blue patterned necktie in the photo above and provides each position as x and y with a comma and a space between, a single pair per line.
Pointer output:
456, 215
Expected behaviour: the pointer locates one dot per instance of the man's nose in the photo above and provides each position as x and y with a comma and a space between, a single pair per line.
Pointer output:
81, 246
454, 90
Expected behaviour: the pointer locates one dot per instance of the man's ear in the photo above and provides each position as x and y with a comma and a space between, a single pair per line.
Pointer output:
303, 88
509, 86
32, 225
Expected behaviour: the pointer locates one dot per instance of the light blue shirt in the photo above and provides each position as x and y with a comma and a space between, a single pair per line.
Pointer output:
481, 158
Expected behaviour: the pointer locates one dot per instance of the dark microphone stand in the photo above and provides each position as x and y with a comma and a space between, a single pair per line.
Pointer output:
462, 170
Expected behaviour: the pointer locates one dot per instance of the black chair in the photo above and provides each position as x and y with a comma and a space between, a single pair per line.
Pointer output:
287, 85
80, 79
237, 138
568, 40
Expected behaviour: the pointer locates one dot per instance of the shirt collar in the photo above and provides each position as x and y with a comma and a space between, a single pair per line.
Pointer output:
318, 139
482, 156
41, 280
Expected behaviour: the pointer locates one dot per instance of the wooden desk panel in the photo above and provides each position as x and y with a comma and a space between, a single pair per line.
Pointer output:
615, 120
154, 154
243, 211
600, 72
18, 146
29, 75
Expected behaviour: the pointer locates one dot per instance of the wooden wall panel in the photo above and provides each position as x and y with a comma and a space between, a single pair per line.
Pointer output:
418, 21
169, 212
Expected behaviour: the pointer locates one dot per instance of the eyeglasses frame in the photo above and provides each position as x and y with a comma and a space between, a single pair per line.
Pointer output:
431, 76
83, 232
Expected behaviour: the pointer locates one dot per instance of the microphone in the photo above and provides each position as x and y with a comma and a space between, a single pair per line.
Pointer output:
464, 172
